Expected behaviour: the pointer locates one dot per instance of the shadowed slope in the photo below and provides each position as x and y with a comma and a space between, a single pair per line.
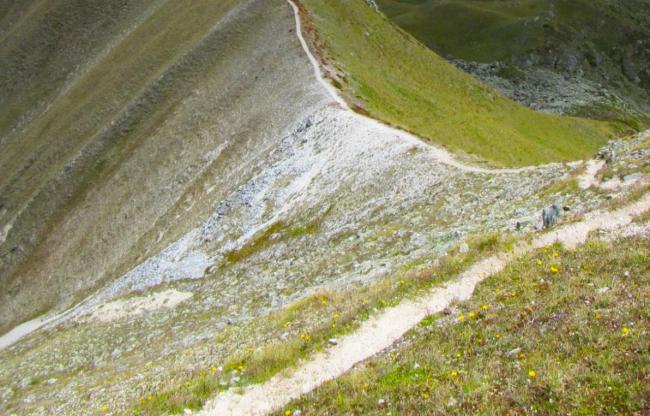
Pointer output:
99, 180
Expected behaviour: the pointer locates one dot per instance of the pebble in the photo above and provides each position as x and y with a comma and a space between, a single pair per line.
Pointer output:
464, 248
333, 341
514, 352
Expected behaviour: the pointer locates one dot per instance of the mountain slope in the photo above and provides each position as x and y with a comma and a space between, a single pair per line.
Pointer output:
398, 80
111, 170
530, 49
192, 182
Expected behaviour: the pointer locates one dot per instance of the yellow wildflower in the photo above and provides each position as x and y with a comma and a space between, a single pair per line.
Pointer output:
554, 269
532, 373
625, 330
213, 369
556, 254
104, 408
453, 374
150, 397
458, 355
497, 336
471, 314
539, 262
485, 307
240, 368
287, 413
461, 317
333, 326
425, 396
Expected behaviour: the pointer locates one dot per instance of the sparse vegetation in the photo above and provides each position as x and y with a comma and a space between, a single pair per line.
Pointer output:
559, 331
309, 324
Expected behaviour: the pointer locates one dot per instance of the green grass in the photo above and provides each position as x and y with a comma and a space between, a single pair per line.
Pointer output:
389, 74
531, 341
598, 33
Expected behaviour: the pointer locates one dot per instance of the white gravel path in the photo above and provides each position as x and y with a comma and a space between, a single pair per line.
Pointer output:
380, 331
589, 177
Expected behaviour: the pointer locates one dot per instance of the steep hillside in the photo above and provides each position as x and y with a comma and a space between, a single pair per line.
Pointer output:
115, 164
570, 56
179, 188
393, 77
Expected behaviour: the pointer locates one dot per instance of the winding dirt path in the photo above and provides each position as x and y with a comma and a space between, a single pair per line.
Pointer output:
439, 154
380, 331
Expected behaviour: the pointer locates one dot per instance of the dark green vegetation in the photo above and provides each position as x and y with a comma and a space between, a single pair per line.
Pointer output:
604, 41
560, 331
396, 79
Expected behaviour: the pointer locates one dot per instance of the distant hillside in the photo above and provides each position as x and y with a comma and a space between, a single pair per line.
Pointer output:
600, 49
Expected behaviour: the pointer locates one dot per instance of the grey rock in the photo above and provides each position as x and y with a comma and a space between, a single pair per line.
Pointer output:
550, 215
25, 382
632, 177
513, 352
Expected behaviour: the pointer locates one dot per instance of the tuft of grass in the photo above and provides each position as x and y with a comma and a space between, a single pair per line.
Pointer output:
258, 243
560, 331
393, 77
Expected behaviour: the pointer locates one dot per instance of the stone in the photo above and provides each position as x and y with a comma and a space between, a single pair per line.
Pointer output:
550, 215
382, 403
25, 382
513, 352
464, 248
632, 177
333, 341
